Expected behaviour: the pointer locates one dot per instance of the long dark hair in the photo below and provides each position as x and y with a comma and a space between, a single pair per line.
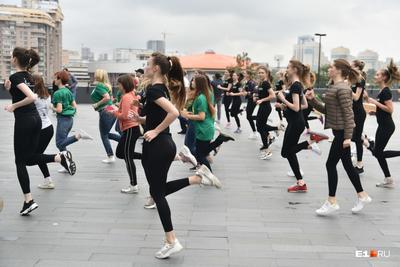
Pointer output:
26, 59
172, 69
39, 88
203, 87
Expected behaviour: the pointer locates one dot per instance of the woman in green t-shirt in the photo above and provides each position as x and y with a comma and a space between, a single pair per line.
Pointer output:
102, 98
203, 119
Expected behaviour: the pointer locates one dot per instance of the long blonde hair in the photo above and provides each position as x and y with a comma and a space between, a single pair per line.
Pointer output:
101, 76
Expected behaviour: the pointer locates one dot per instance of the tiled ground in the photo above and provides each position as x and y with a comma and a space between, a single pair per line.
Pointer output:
252, 221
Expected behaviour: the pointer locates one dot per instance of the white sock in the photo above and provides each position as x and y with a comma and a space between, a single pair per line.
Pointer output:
48, 179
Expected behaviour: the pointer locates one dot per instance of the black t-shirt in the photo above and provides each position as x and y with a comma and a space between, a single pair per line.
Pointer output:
263, 91
295, 88
381, 115
279, 85
153, 112
17, 95
236, 89
226, 84
249, 87
358, 105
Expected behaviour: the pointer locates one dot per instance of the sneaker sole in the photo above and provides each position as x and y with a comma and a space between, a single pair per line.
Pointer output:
29, 210
171, 252
152, 207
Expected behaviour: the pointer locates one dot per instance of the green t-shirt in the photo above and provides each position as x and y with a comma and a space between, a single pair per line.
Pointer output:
65, 97
204, 130
97, 95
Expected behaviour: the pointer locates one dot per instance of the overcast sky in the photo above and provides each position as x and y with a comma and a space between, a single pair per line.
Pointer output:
263, 28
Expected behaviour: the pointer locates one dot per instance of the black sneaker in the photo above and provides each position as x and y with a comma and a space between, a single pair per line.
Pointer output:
216, 150
67, 162
264, 148
359, 170
182, 132
28, 208
225, 137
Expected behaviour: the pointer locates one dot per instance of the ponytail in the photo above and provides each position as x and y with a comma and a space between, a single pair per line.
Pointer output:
391, 73
360, 66
348, 72
26, 59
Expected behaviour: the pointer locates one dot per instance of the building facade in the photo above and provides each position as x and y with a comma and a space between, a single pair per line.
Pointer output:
39, 29
156, 45
307, 51
370, 58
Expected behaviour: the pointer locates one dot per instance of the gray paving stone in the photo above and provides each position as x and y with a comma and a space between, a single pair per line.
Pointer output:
252, 221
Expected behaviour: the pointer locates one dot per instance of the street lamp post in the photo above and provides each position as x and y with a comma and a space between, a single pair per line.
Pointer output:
319, 57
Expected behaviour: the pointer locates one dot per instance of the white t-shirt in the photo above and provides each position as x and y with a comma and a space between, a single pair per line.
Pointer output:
42, 106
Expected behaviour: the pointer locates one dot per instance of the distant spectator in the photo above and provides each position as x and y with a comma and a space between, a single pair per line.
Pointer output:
217, 80
72, 83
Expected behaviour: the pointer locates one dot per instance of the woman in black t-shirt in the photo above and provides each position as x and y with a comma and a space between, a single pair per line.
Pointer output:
236, 95
249, 89
292, 104
28, 124
307, 111
159, 149
262, 97
384, 109
227, 100
359, 113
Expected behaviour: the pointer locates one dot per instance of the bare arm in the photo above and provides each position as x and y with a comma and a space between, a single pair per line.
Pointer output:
357, 94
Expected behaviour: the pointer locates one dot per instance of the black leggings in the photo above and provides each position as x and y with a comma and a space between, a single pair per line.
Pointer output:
235, 109
126, 150
336, 153
157, 158
203, 148
45, 137
26, 141
359, 119
264, 110
382, 136
227, 103
307, 117
291, 147
251, 105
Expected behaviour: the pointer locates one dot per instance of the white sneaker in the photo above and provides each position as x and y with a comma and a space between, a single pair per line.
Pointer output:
130, 189
238, 131
168, 249
84, 135
210, 159
110, 159
291, 174
228, 125
186, 156
361, 202
62, 171
315, 148
387, 183
267, 155
253, 136
207, 178
217, 128
327, 208
150, 204
47, 185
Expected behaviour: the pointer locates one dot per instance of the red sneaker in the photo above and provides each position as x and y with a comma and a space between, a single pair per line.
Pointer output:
318, 137
297, 188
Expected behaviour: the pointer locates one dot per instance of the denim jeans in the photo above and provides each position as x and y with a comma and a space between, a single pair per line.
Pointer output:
106, 122
64, 126
190, 137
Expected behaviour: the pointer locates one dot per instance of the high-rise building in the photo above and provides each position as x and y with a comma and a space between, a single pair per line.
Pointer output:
341, 52
131, 54
307, 51
37, 28
370, 58
156, 45
87, 54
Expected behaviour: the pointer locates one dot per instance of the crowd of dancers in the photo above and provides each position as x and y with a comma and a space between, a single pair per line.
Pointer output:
147, 104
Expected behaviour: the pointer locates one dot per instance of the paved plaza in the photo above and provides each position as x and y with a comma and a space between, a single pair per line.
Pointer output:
252, 221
